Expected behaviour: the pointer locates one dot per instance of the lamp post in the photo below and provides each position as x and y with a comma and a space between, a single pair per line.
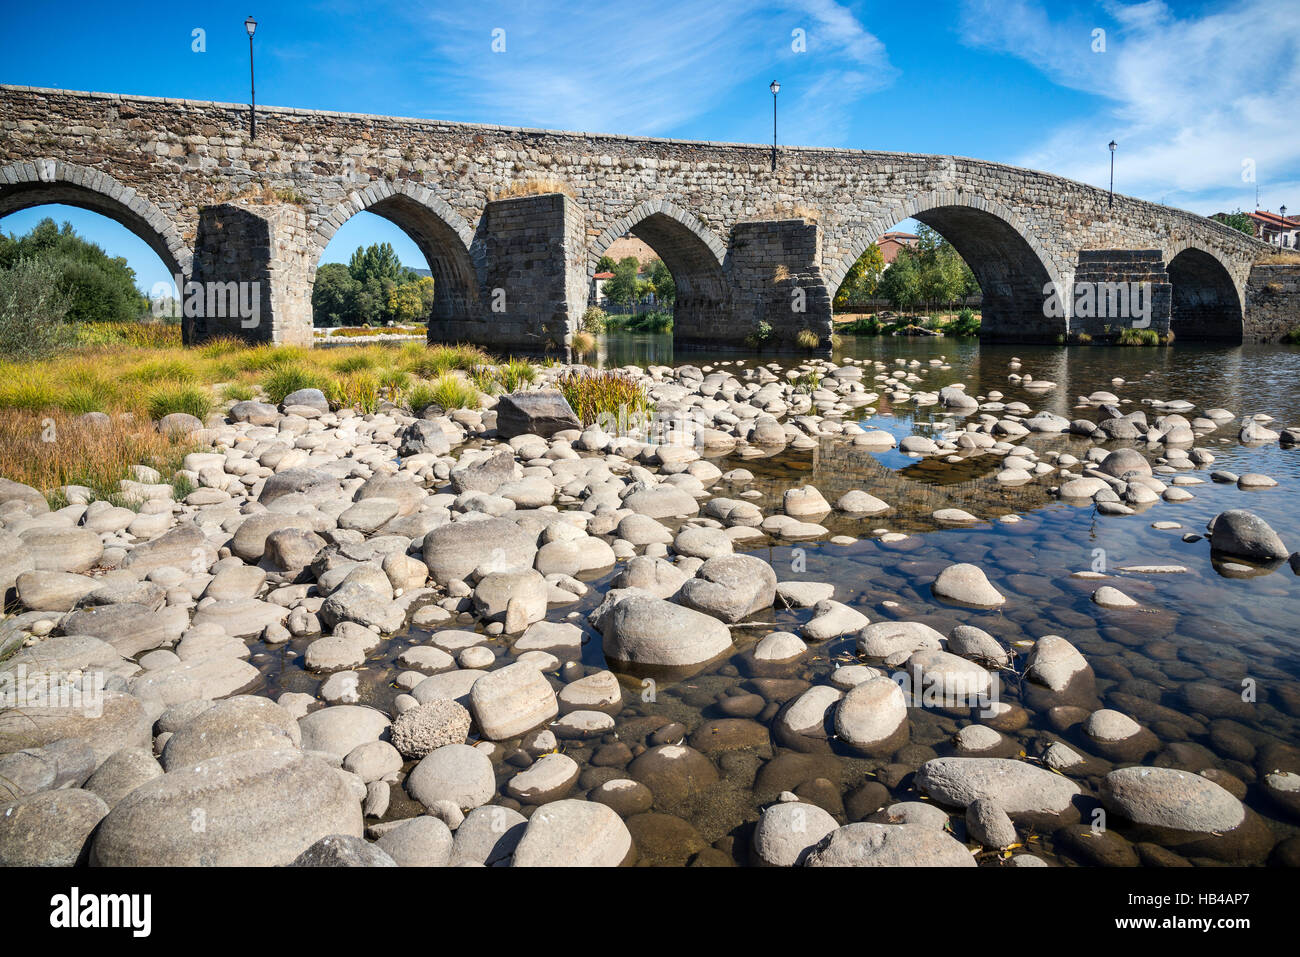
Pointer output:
251, 26
1112, 173
1282, 228
775, 87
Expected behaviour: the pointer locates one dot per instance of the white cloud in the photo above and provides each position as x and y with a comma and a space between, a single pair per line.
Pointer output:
653, 70
1187, 98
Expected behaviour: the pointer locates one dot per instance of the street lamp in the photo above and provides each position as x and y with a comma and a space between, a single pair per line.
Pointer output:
775, 87
1282, 229
1112, 173
251, 26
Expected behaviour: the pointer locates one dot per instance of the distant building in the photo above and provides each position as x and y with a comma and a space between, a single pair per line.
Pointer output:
629, 245
1272, 228
598, 287
890, 244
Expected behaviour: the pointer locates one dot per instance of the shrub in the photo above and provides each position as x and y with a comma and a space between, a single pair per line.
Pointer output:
394, 382
761, 332
191, 399
807, 339
290, 378
419, 397
583, 343
593, 320
593, 394
515, 374
862, 326
237, 392
965, 325
1129, 336
429, 362
1292, 335
33, 311
808, 382
358, 390
655, 322
453, 392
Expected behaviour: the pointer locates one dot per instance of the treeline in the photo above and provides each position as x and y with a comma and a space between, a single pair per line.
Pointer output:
96, 287
929, 274
373, 289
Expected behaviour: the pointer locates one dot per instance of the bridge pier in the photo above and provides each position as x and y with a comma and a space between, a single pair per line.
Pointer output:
252, 276
1103, 301
531, 257
773, 272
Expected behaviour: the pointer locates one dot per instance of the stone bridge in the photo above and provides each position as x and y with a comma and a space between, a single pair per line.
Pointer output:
513, 221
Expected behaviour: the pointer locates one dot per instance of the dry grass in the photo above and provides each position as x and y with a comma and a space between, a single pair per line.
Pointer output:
136, 383
49, 449
1279, 259
533, 186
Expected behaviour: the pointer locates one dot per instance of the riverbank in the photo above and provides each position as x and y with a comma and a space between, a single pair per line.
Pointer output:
853, 613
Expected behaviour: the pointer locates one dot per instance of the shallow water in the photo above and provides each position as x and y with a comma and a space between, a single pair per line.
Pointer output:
1204, 627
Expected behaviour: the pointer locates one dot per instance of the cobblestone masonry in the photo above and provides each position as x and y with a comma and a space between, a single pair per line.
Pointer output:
723, 222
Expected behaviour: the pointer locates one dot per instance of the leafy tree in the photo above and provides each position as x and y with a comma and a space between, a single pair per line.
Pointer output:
665, 288
1240, 221
334, 297
373, 288
862, 279
901, 282
97, 287
376, 263
622, 289
605, 264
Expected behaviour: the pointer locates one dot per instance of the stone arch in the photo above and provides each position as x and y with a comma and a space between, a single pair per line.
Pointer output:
42, 181
442, 235
1206, 303
1010, 263
691, 251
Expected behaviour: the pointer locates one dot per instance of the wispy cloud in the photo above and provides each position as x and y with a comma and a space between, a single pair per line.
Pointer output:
1193, 101
602, 68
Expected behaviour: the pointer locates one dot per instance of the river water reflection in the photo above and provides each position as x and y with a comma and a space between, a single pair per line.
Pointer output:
1186, 662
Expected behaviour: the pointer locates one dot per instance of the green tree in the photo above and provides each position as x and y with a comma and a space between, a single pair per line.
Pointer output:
622, 289
97, 287
405, 303
605, 264
1240, 221
665, 288
334, 296
862, 279
901, 282
376, 263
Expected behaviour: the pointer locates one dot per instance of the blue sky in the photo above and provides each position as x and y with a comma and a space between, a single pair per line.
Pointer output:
1196, 94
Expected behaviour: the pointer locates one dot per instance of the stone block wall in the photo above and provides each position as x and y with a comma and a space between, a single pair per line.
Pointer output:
774, 273
1272, 302
534, 282
1108, 275
252, 275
